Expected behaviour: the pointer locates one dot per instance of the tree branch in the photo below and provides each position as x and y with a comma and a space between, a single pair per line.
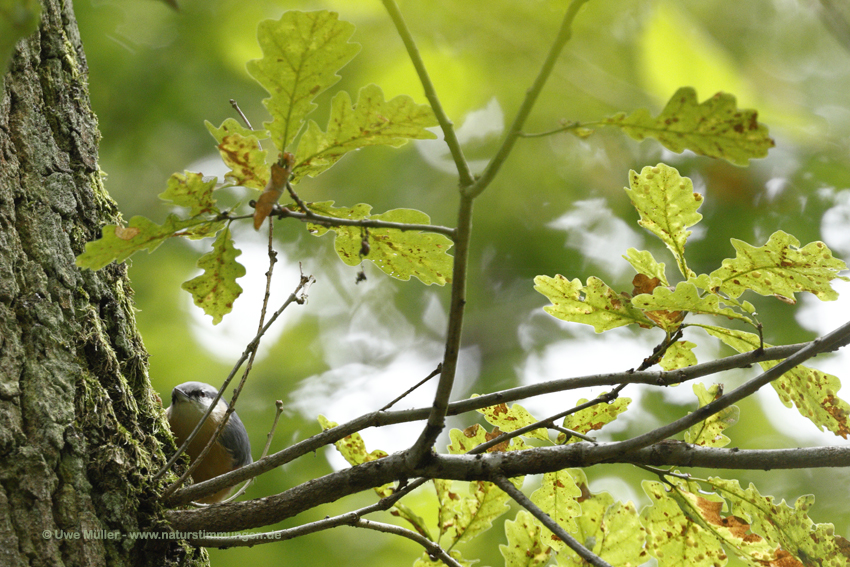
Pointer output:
564, 35
446, 125
835, 339
380, 419
272, 509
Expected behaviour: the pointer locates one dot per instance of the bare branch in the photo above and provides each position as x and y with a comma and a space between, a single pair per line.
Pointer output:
380, 419
564, 35
446, 125
272, 509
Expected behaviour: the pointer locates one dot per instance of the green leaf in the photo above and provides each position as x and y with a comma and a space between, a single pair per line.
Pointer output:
464, 516
685, 297
370, 122
400, 254
425, 560
119, 242
466, 440
679, 355
18, 19
609, 529
782, 530
525, 546
709, 433
597, 304
667, 205
592, 418
812, 391
644, 263
216, 289
241, 152
513, 418
301, 54
353, 450
715, 128
189, 189
557, 496
672, 537
781, 268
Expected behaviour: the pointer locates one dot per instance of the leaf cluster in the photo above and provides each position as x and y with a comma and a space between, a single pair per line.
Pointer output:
781, 268
302, 53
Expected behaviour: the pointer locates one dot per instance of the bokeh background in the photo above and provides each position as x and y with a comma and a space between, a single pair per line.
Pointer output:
558, 206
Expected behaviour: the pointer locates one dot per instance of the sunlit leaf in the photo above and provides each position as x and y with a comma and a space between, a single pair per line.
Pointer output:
715, 128
679, 355
709, 433
644, 263
525, 546
426, 560
370, 122
400, 254
685, 297
216, 289
462, 516
785, 532
557, 496
782, 268
609, 529
353, 449
667, 206
512, 418
672, 537
815, 393
597, 304
119, 242
592, 418
302, 53
241, 152
190, 190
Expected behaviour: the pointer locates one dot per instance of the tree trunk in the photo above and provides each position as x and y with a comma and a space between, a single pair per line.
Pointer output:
81, 431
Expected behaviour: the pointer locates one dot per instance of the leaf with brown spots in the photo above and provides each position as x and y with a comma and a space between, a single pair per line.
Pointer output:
715, 128
216, 289
781, 267
399, 254
813, 392
595, 304
241, 152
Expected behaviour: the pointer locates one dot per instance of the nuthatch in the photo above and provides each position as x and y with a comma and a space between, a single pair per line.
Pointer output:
232, 449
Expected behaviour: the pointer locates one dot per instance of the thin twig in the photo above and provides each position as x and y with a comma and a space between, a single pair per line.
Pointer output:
550, 421
312, 527
250, 364
547, 521
457, 307
401, 397
431, 548
293, 298
564, 34
837, 338
463, 170
380, 419
322, 220
241, 114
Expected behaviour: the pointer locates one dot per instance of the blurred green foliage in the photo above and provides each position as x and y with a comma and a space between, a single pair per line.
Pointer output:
157, 74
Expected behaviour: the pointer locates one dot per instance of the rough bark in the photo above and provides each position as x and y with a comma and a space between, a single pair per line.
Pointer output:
81, 431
